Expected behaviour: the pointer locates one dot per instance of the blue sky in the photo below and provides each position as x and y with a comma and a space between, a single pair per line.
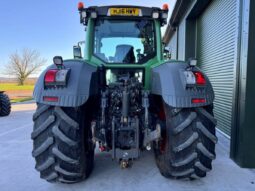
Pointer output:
49, 26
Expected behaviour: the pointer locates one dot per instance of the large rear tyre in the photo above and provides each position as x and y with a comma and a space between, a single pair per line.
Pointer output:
188, 145
62, 148
5, 105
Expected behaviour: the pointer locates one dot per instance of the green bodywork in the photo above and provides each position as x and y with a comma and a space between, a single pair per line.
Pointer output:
157, 60
162, 77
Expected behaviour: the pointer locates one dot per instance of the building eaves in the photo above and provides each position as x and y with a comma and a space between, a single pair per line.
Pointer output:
180, 10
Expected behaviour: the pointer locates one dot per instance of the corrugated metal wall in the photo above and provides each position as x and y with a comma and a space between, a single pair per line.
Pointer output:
181, 40
173, 46
217, 42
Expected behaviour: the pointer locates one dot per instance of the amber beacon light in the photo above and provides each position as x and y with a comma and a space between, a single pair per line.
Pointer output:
80, 6
165, 7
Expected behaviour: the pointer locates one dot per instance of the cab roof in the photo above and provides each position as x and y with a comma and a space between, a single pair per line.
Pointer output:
123, 11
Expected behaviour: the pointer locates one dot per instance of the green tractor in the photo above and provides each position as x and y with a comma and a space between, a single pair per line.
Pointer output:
124, 97
5, 104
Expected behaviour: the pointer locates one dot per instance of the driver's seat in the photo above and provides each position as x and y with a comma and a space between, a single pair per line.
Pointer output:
124, 54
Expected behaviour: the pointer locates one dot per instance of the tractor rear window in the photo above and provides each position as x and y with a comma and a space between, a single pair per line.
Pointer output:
124, 42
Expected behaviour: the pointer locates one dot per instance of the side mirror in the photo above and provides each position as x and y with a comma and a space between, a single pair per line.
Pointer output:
77, 52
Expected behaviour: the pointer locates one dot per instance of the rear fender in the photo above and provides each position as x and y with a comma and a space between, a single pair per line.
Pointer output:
169, 82
79, 86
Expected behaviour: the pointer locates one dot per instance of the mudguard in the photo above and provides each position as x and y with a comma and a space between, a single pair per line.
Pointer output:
78, 89
169, 82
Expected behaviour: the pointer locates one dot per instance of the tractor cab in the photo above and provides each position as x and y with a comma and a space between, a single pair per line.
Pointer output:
118, 35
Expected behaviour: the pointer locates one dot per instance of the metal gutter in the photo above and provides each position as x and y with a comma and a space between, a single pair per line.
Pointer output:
180, 11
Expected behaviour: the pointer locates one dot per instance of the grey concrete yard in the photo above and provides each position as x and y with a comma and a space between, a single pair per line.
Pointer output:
18, 173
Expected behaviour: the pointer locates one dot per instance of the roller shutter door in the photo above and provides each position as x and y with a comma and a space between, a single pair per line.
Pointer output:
173, 46
217, 38
181, 41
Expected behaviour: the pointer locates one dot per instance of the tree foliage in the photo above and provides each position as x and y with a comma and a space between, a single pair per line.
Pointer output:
23, 65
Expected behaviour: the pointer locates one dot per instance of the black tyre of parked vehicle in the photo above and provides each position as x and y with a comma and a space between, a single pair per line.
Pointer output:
63, 149
188, 144
5, 105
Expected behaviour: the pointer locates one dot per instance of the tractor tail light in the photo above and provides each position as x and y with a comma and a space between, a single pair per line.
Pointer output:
190, 78
56, 77
50, 76
200, 79
194, 78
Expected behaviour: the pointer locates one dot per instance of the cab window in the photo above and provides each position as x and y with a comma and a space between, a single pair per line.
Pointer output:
124, 41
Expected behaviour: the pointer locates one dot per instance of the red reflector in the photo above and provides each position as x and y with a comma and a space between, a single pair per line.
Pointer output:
161, 114
50, 76
200, 79
50, 99
198, 100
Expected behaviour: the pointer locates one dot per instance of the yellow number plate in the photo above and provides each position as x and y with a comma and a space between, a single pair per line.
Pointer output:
124, 12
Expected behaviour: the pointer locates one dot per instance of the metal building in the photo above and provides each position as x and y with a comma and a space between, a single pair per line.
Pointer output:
220, 34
